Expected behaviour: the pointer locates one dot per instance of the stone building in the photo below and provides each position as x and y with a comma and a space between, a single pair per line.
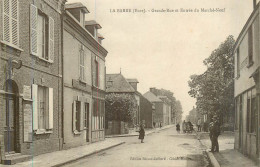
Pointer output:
84, 78
31, 78
247, 87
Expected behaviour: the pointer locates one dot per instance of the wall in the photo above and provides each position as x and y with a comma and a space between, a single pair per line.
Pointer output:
34, 71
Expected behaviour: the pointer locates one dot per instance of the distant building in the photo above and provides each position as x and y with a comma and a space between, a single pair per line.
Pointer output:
162, 104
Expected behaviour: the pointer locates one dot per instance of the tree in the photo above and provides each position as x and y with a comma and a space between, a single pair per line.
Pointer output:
120, 107
214, 89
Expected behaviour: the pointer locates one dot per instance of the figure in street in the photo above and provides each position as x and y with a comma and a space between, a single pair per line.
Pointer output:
199, 125
161, 124
214, 132
184, 126
141, 133
178, 128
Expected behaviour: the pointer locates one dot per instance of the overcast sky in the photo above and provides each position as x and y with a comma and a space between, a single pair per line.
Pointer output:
163, 49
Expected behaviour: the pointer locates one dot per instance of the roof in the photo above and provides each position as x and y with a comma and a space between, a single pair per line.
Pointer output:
132, 80
93, 23
119, 84
151, 97
76, 5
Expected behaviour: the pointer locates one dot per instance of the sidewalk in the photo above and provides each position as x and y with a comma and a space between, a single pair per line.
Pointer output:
227, 156
62, 157
147, 132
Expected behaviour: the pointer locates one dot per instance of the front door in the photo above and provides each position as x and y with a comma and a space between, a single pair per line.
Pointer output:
87, 121
10, 125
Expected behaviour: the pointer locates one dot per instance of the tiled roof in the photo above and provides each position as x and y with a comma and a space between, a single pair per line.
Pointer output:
93, 23
151, 97
132, 80
76, 5
119, 84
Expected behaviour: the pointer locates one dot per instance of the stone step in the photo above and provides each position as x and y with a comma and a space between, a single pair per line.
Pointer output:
11, 159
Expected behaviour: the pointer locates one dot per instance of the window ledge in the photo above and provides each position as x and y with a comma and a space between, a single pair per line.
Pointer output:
250, 64
45, 60
76, 132
11, 45
43, 131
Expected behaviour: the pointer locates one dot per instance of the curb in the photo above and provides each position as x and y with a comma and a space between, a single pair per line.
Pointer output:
212, 159
84, 156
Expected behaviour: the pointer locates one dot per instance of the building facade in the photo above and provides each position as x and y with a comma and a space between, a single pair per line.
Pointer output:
246, 54
84, 79
31, 77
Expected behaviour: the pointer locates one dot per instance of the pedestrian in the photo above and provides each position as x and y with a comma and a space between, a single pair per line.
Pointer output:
184, 126
154, 124
199, 125
214, 129
141, 133
161, 124
178, 128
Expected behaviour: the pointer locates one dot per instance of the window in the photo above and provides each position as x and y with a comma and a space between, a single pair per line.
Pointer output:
77, 120
42, 107
251, 111
96, 72
41, 34
98, 114
11, 22
82, 64
250, 46
238, 63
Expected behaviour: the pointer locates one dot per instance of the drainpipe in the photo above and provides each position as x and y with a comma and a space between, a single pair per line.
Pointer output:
62, 80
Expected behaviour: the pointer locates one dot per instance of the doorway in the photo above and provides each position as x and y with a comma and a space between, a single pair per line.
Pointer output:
11, 123
86, 113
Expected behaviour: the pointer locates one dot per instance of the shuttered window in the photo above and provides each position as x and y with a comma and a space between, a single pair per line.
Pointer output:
11, 22
42, 107
42, 34
78, 116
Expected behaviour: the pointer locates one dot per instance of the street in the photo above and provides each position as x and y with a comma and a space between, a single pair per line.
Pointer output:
163, 148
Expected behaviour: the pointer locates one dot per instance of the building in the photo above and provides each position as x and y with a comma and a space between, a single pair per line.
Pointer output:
162, 104
31, 78
83, 78
246, 54
118, 84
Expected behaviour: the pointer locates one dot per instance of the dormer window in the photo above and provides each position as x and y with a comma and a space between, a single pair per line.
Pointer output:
92, 26
78, 10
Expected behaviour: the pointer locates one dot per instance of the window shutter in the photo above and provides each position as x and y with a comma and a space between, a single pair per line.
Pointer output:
15, 22
74, 116
82, 116
51, 39
6, 21
33, 29
50, 108
35, 106
85, 64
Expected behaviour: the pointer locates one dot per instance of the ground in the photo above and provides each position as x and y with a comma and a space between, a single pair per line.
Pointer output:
163, 148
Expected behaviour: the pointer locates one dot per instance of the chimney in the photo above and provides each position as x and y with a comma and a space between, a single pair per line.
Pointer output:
152, 90
254, 3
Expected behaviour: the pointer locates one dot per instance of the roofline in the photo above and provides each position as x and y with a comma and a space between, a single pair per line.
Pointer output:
82, 7
241, 34
96, 44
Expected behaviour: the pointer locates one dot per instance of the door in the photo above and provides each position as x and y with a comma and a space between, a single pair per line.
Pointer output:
10, 125
87, 121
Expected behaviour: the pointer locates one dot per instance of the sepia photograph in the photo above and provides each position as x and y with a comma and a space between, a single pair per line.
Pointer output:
130, 83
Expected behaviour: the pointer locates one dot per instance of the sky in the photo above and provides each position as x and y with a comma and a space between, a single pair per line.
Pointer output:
162, 49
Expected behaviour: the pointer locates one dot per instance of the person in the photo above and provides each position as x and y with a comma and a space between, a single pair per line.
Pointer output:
184, 126
161, 124
178, 127
199, 125
214, 131
154, 124
190, 126
141, 133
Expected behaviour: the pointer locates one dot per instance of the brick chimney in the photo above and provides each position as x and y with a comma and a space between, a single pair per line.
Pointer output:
254, 3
